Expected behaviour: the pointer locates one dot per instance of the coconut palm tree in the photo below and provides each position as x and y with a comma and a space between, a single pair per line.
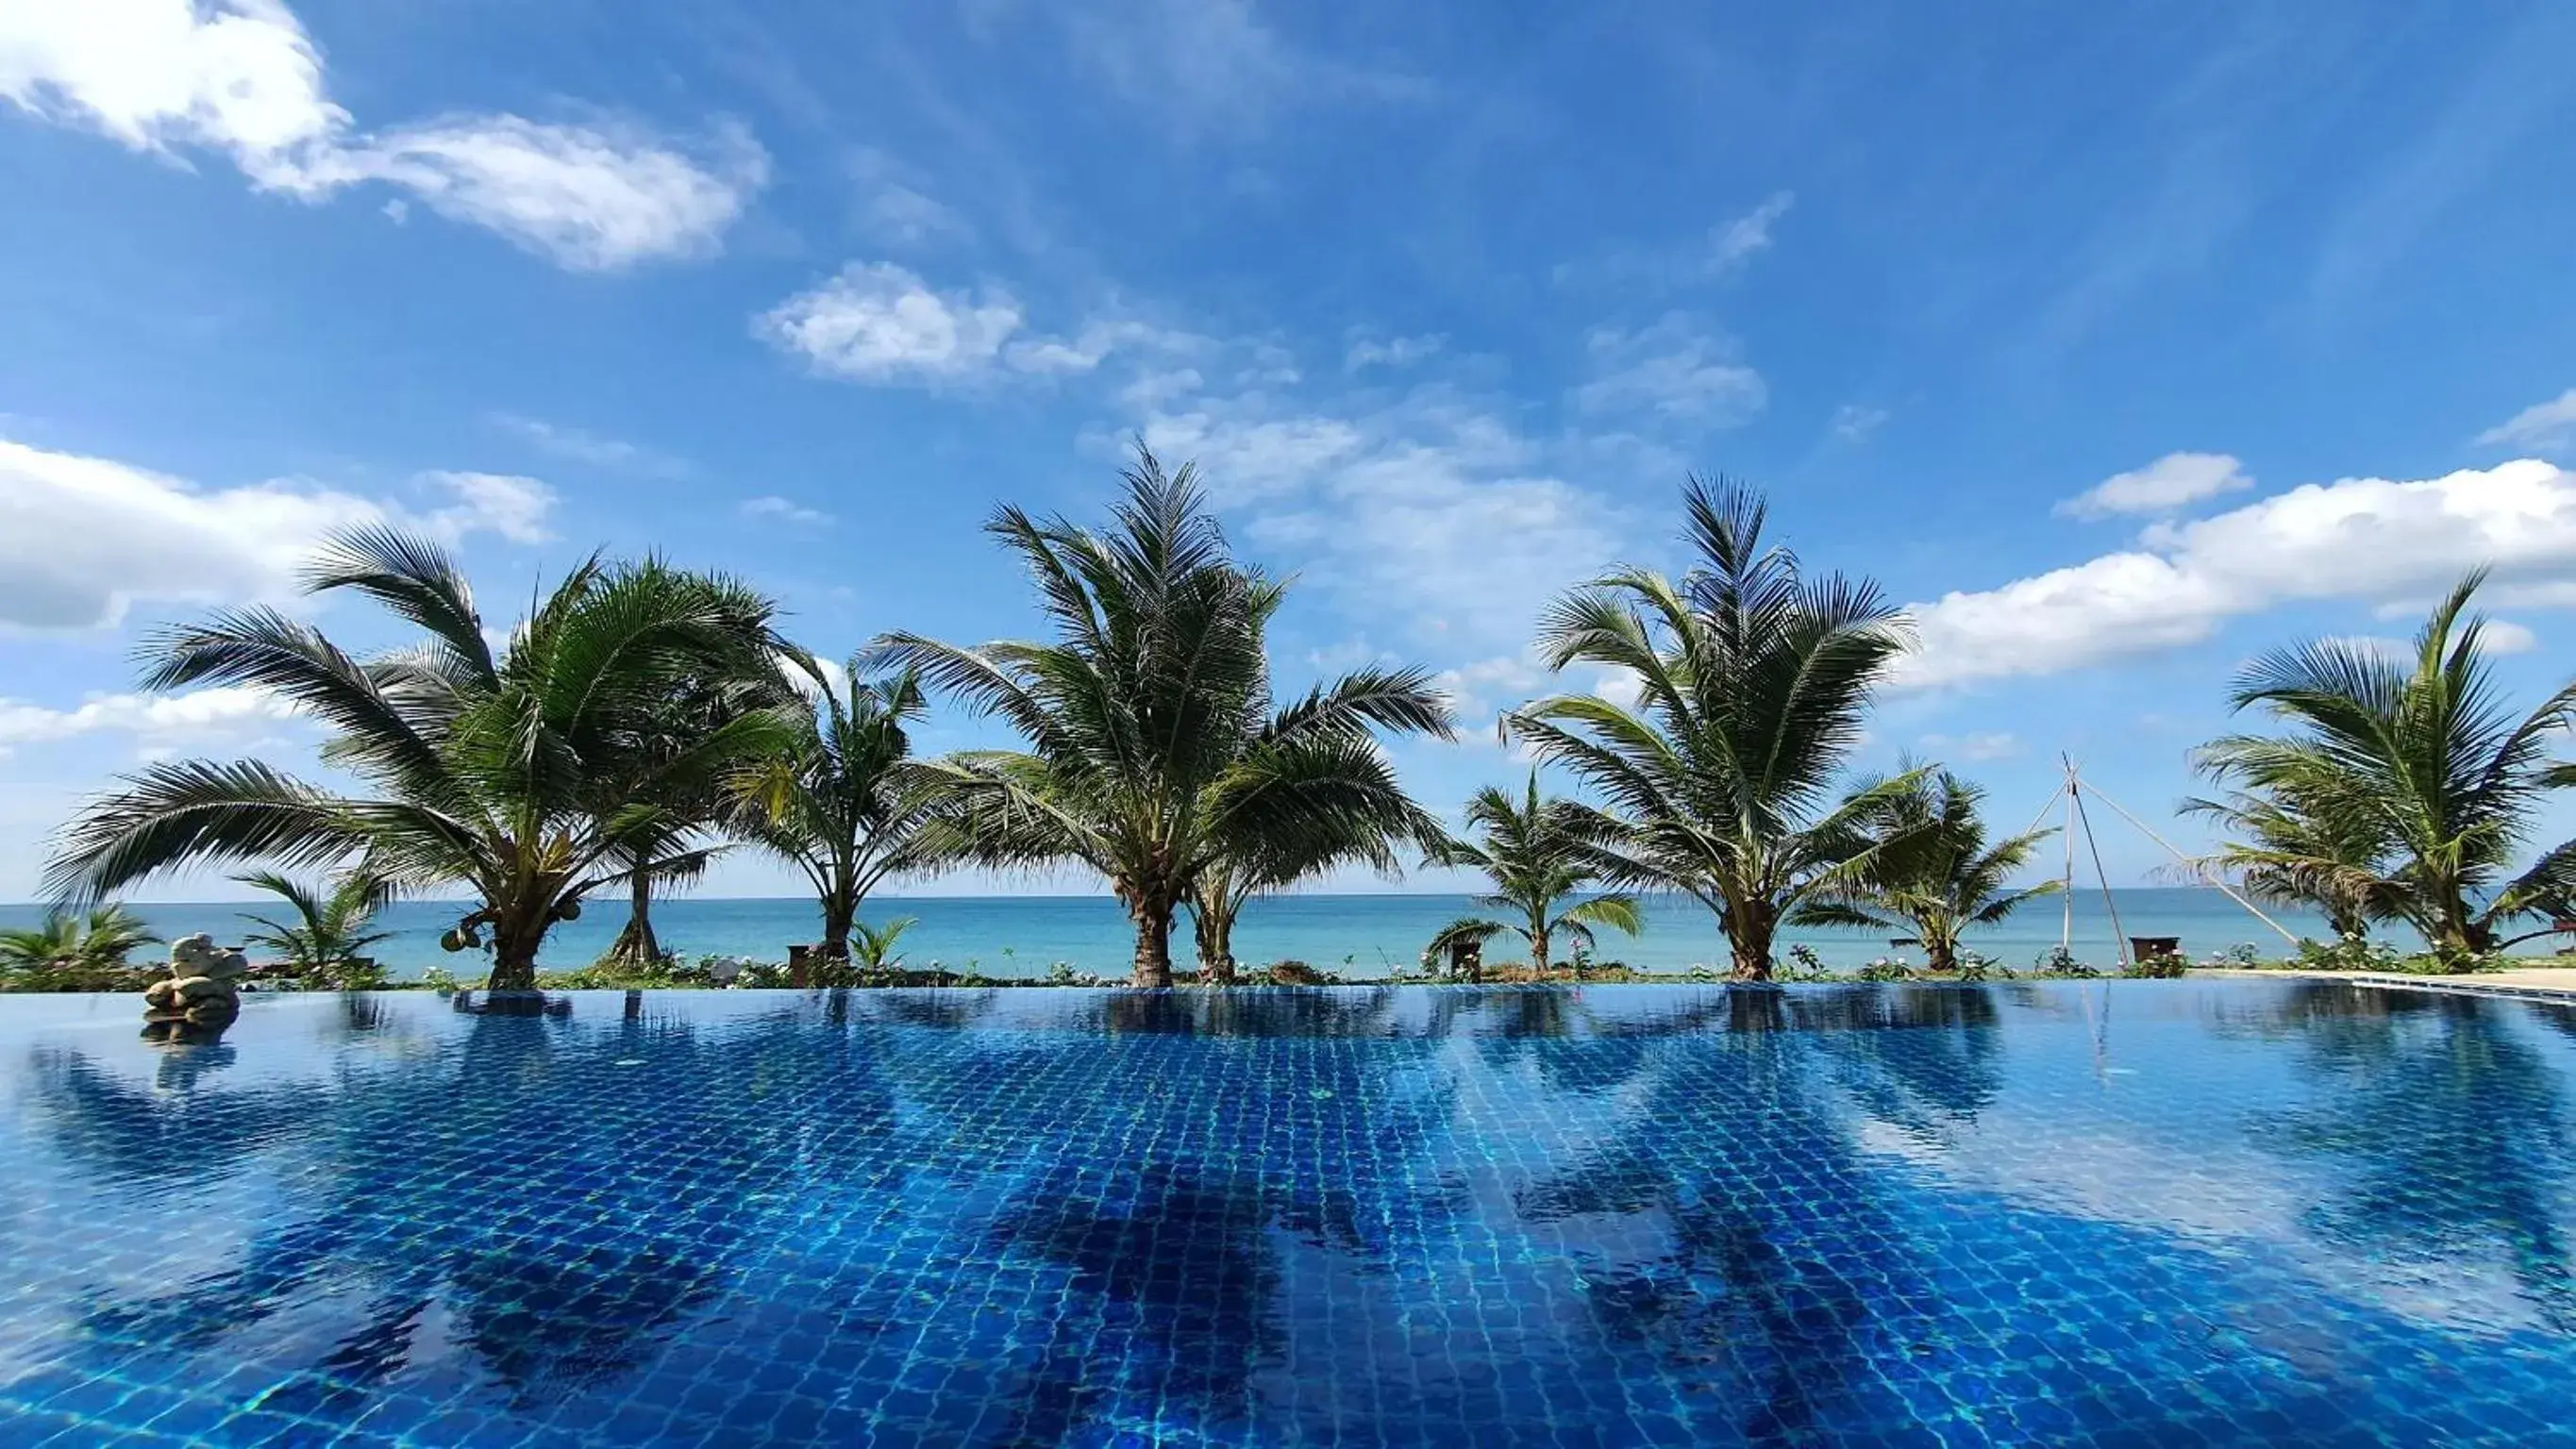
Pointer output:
1153, 748
2419, 753
666, 727
1753, 678
1934, 870
1537, 852
74, 948
482, 769
2296, 844
827, 803
328, 939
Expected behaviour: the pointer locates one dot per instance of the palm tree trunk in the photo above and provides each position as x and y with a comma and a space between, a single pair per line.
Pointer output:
1214, 928
1940, 951
514, 956
1153, 943
637, 945
839, 910
1749, 932
1538, 953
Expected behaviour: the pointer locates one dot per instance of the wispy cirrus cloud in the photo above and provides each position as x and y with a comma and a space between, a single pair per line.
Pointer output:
1674, 372
1733, 243
2547, 426
770, 508
244, 78
576, 445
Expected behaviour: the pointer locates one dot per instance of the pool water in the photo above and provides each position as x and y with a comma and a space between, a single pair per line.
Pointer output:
2154, 1213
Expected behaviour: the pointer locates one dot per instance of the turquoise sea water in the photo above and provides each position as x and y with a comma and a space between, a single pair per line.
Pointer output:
1370, 934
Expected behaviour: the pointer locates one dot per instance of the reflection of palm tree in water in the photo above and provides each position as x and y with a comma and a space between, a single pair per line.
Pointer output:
1775, 1221
2454, 1128
565, 1240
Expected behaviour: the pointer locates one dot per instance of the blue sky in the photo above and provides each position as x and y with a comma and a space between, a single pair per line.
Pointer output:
2122, 343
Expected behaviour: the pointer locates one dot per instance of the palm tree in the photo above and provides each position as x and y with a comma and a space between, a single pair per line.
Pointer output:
72, 948
328, 939
1153, 750
481, 769
1254, 860
2419, 755
1933, 871
1752, 679
1537, 852
827, 803
723, 689
2298, 845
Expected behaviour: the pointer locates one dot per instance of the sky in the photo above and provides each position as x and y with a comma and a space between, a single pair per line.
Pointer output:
2119, 343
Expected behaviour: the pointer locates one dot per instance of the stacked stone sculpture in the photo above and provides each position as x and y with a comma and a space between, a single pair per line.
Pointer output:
200, 999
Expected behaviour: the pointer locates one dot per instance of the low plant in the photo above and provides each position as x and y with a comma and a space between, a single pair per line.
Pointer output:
2059, 961
1884, 968
1804, 965
77, 952
2160, 966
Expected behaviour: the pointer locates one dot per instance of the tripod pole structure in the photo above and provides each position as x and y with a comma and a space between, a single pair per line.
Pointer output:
2066, 888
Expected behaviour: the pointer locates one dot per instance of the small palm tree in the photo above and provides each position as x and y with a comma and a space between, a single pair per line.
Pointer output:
2299, 844
1753, 681
2417, 756
482, 768
827, 803
74, 951
1933, 870
328, 939
1537, 852
1153, 752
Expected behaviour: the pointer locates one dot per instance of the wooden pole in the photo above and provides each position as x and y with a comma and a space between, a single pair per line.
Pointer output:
2075, 793
2066, 888
2179, 857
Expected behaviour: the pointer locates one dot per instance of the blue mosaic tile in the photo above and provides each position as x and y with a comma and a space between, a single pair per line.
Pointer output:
2151, 1213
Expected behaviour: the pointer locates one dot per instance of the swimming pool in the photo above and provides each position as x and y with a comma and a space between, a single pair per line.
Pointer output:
2150, 1212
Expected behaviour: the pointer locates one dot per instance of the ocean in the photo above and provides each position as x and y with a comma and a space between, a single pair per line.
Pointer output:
1363, 934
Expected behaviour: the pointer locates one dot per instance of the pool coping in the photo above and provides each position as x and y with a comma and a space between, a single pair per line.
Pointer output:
2453, 985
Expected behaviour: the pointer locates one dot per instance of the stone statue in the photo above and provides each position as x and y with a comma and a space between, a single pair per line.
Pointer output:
200, 998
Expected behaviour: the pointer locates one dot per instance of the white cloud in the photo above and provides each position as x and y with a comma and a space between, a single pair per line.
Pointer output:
575, 445
2363, 539
503, 503
589, 198
160, 721
243, 78
84, 539
1971, 748
1211, 63
880, 323
1853, 422
1486, 687
1393, 352
2504, 636
902, 216
1673, 370
2547, 426
1735, 242
774, 509
2162, 486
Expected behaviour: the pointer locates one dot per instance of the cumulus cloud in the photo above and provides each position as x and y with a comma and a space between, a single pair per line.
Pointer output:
2363, 539
1736, 242
2168, 483
1672, 370
84, 539
2547, 426
243, 78
157, 720
881, 323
